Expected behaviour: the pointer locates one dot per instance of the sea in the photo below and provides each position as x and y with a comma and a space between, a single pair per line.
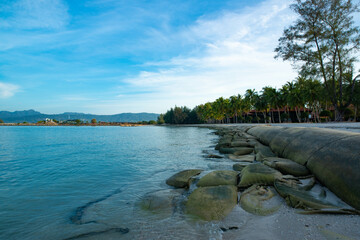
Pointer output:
86, 182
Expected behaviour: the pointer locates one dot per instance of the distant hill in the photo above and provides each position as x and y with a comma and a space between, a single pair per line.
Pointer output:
33, 116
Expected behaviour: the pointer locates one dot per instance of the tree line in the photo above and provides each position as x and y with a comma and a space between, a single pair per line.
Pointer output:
322, 45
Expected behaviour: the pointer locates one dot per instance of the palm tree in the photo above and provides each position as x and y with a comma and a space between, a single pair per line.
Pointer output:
235, 103
251, 96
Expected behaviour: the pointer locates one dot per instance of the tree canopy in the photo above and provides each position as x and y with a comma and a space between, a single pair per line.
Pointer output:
323, 42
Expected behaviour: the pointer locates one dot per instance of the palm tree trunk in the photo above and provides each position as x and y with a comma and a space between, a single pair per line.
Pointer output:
279, 115
297, 114
264, 114
257, 119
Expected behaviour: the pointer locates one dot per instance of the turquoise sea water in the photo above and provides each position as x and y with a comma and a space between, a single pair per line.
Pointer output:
51, 176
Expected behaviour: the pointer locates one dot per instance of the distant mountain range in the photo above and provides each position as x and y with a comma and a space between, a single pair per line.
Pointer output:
33, 116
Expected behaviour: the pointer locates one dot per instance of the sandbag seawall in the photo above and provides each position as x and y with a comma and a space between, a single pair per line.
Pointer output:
332, 156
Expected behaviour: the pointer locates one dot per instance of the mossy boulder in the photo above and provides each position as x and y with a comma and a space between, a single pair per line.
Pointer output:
220, 177
286, 166
212, 203
258, 173
182, 179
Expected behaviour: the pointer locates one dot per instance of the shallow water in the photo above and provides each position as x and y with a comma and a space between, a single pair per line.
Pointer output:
84, 182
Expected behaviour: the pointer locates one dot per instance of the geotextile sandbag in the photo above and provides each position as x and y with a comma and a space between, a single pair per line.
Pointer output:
260, 200
286, 166
212, 203
219, 177
182, 179
263, 152
236, 150
302, 146
264, 133
337, 166
332, 156
285, 136
258, 173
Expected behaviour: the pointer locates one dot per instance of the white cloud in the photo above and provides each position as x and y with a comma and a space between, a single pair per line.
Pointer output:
30, 14
236, 53
7, 90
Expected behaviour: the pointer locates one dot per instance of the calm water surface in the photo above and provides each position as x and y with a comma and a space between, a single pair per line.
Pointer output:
48, 173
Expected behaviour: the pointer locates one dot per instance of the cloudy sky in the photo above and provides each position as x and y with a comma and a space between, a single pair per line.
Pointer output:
114, 56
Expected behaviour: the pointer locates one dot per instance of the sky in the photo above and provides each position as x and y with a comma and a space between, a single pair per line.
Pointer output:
115, 56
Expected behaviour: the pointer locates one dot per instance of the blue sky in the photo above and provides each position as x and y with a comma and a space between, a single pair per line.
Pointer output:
114, 56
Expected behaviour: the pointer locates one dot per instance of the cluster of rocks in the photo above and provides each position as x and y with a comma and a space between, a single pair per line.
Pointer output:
261, 175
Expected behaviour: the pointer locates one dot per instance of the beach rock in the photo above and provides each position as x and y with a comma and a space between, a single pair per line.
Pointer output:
182, 179
160, 202
258, 173
286, 166
243, 158
260, 200
212, 203
220, 177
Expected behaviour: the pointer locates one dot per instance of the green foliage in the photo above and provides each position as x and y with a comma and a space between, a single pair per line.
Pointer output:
284, 117
160, 119
322, 42
1, 121
152, 122
93, 121
181, 115
325, 113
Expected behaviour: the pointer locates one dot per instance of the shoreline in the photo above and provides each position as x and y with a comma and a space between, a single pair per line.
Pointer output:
287, 222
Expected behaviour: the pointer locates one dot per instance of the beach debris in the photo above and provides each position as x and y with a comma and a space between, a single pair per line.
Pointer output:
260, 200
182, 179
212, 203
286, 166
258, 173
219, 177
